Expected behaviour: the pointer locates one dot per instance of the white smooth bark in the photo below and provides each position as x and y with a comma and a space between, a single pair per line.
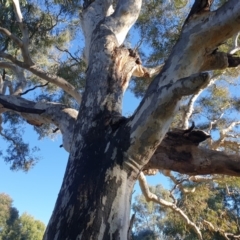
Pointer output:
154, 115
90, 17
123, 18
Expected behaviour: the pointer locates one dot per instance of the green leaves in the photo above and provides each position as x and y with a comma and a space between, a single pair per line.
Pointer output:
180, 3
211, 202
17, 228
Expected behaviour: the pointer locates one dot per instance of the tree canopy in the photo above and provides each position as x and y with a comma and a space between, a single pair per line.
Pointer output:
211, 202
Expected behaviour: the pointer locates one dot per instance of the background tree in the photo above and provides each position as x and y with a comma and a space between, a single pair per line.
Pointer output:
8, 218
208, 202
14, 227
109, 152
31, 228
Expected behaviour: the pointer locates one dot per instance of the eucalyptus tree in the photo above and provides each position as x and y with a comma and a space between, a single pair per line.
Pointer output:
109, 152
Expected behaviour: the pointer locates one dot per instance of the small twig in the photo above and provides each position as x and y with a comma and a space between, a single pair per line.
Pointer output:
130, 227
34, 88
201, 179
55, 130
65, 50
228, 191
178, 183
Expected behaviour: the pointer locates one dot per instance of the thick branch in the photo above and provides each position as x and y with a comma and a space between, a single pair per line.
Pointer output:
178, 153
44, 113
153, 117
199, 38
223, 23
199, 7
17, 107
58, 81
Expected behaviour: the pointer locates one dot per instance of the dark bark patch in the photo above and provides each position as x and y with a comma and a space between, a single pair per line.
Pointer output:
179, 156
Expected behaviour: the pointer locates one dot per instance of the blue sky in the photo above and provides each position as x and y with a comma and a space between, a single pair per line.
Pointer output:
35, 192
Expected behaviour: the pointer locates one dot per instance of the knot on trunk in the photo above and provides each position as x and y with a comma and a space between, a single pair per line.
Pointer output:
133, 53
125, 62
199, 7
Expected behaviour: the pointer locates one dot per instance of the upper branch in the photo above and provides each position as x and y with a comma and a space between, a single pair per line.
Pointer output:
93, 13
222, 24
25, 38
58, 81
123, 18
11, 36
17, 10
19, 74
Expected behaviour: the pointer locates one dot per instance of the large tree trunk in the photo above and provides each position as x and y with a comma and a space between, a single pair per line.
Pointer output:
95, 198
